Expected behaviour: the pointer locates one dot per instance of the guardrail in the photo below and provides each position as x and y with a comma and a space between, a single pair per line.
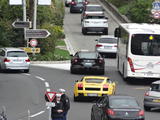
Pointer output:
115, 11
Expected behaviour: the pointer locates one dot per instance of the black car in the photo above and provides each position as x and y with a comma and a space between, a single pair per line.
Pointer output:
90, 61
77, 6
117, 107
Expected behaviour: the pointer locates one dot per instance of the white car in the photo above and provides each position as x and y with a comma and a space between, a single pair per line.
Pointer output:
92, 9
14, 59
95, 23
106, 44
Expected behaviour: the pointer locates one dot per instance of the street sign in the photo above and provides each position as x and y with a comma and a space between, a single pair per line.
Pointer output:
33, 42
36, 33
21, 24
31, 50
50, 95
15, 2
44, 2
156, 15
50, 104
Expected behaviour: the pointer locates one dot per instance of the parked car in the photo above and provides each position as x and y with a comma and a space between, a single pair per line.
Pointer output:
14, 59
92, 9
67, 3
117, 107
77, 6
93, 86
106, 44
87, 61
152, 96
95, 23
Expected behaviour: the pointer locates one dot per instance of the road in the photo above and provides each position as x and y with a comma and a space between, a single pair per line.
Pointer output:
22, 93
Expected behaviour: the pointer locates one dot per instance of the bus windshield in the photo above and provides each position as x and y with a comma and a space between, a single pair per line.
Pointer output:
145, 44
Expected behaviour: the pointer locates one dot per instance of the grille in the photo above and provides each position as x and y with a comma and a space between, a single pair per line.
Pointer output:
95, 89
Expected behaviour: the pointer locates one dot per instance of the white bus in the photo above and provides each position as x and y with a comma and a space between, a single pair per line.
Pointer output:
138, 53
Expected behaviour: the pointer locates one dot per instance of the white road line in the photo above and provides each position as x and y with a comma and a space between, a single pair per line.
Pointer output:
27, 74
37, 114
47, 84
38, 77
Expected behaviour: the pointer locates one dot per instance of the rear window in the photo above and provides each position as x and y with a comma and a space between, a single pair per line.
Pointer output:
95, 17
88, 55
94, 8
155, 87
108, 40
91, 80
16, 54
123, 103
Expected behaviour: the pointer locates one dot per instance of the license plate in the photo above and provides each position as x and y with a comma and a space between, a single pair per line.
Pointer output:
158, 100
92, 94
88, 64
108, 47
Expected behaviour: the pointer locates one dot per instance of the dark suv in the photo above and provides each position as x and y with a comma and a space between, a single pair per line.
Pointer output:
77, 6
89, 61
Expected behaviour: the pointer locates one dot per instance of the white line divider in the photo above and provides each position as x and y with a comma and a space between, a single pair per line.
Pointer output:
38, 77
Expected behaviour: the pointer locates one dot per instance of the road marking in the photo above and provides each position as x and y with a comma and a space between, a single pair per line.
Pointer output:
141, 88
38, 77
37, 114
47, 84
27, 74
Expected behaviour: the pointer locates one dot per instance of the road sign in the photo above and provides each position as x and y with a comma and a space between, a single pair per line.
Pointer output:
37, 33
156, 15
50, 104
15, 2
44, 2
33, 42
51, 95
31, 50
21, 24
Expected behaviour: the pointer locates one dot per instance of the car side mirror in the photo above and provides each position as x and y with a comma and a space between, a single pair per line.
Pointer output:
71, 55
96, 39
117, 32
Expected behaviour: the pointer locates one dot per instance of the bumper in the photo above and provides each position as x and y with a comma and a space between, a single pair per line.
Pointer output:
106, 51
11, 67
140, 118
79, 68
151, 104
92, 94
96, 29
76, 9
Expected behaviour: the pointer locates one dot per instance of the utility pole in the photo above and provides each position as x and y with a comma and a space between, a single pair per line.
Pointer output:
35, 14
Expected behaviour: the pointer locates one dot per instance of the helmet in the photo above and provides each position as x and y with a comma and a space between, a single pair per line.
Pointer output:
62, 90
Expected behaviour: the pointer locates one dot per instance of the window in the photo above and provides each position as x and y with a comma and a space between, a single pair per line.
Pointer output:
16, 54
91, 80
2, 53
108, 40
145, 44
155, 87
88, 55
94, 8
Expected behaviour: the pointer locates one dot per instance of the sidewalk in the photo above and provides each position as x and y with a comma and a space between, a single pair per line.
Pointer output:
63, 65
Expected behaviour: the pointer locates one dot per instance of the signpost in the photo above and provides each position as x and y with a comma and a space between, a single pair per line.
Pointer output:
44, 2
50, 96
36, 33
33, 42
15, 2
31, 50
21, 24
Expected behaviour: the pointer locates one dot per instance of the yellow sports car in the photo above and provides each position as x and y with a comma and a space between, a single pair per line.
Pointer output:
93, 86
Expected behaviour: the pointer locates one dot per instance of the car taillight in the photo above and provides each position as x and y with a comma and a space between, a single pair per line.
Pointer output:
27, 60
80, 86
73, 3
146, 94
101, 60
6, 60
105, 87
110, 112
98, 45
141, 113
131, 64
75, 60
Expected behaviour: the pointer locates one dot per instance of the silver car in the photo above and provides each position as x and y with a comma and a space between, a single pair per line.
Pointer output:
152, 96
14, 59
106, 44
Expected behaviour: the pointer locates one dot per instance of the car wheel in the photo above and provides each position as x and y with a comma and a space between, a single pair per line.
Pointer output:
76, 98
26, 71
84, 31
147, 108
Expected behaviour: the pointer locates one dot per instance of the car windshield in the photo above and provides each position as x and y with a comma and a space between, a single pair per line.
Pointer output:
108, 40
145, 44
93, 8
155, 87
88, 55
95, 17
79, 0
123, 103
91, 80
16, 54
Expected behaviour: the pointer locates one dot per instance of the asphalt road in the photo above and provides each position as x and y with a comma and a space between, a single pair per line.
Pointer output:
23, 94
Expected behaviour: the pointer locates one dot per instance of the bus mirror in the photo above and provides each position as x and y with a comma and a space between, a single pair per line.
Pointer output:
117, 32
